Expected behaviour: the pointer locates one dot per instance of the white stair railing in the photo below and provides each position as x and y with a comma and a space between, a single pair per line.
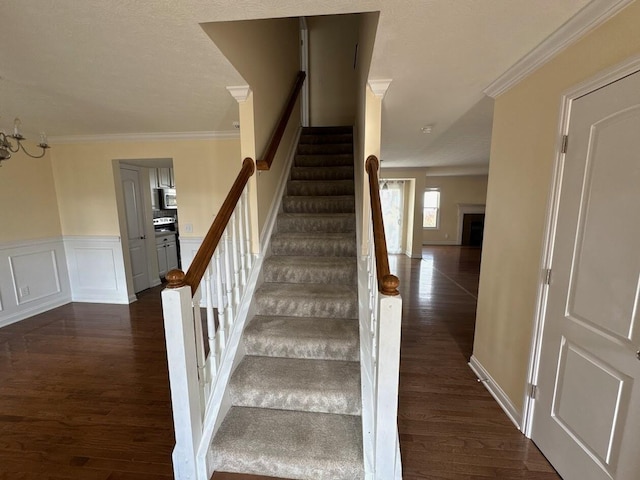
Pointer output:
380, 343
216, 279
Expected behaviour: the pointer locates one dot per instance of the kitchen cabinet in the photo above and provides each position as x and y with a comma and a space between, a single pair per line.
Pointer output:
162, 177
167, 250
165, 178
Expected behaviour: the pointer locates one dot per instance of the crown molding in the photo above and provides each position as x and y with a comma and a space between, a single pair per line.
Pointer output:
586, 20
143, 137
379, 87
240, 92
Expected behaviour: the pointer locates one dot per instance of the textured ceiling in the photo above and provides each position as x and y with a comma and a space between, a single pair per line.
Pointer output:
96, 67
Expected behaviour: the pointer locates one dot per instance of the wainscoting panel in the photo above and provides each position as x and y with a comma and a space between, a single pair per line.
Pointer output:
33, 278
96, 270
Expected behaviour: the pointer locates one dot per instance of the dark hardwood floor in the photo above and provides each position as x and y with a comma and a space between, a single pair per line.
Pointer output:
84, 388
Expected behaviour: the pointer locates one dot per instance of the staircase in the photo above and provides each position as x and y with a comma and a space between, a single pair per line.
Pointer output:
296, 394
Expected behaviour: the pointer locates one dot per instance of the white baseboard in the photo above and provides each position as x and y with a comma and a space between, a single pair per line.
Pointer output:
96, 270
496, 392
440, 242
33, 278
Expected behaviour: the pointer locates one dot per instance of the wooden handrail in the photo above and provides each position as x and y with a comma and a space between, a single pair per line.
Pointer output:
274, 143
387, 283
177, 278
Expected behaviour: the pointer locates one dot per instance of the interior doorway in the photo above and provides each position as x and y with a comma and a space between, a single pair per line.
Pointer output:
392, 203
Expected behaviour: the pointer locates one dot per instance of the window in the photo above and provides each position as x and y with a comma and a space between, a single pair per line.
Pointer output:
431, 209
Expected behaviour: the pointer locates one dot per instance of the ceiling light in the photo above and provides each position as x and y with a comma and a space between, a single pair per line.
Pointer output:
7, 147
427, 129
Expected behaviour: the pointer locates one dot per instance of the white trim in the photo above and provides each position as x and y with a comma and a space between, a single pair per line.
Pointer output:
466, 208
96, 269
240, 92
379, 87
144, 137
605, 77
437, 242
586, 20
274, 209
39, 265
496, 392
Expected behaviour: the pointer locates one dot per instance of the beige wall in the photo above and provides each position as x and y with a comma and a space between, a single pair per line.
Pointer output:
333, 78
454, 190
524, 138
204, 171
267, 55
28, 196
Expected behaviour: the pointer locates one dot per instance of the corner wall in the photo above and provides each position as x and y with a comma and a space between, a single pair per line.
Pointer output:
525, 132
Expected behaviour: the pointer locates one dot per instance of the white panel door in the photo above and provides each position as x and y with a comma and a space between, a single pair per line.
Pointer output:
587, 410
135, 228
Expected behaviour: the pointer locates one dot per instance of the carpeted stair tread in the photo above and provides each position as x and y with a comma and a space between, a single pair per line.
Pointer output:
289, 444
327, 187
334, 130
310, 138
328, 148
307, 300
319, 204
314, 244
304, 337
322, 173
316, 222
335, 160
328, 386
304, 269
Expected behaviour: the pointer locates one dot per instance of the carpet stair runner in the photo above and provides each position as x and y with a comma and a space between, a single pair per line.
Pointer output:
296, 394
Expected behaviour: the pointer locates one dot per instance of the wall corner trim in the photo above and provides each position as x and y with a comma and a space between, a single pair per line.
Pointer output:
496, 392
379, 87
240, 92
589, 18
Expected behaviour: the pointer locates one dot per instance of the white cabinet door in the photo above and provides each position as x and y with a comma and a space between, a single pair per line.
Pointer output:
162, 260
587, 411
165, 177
171, 249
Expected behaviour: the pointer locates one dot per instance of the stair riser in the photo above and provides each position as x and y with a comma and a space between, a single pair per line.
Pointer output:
302, 204
315, 223
330, 148
344, 275
319, 174
327, 130
318, 247
294, 306
338, 187
307, 139
323, 161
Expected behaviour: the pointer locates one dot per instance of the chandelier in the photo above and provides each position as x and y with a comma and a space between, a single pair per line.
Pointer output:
7, 145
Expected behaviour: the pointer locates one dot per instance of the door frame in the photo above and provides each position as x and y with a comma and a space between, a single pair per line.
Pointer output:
599, 80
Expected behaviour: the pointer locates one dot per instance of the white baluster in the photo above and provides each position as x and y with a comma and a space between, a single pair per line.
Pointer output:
211, 325
247, 226
228, 276
200, 356
241, 243
236, 260
222, 331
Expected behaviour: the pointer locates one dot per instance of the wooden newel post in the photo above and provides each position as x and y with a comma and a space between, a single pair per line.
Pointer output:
175, 279
390, 285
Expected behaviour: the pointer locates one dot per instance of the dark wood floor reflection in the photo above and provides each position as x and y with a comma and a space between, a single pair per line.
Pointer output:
84, 394
84, 388
450, 426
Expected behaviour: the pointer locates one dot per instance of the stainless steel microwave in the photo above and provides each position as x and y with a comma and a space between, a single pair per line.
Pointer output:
168, 198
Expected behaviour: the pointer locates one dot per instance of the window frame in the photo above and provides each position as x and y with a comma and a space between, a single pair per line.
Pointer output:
439, 197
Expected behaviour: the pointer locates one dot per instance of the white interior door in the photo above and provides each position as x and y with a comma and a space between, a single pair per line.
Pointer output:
587, 410
135, 228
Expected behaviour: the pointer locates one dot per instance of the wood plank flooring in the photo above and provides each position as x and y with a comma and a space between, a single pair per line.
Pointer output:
84, 389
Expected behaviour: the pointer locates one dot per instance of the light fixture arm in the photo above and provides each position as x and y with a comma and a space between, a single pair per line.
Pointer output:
7, 146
